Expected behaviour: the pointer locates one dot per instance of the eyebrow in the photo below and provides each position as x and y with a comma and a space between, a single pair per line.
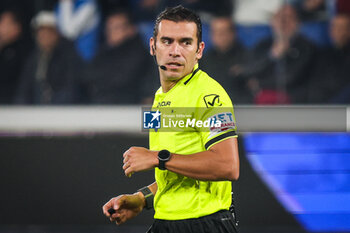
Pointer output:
181, 40
166, 38
186, 39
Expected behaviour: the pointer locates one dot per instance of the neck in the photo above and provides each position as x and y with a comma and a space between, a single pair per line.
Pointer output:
224, 49
4, 43
168, 84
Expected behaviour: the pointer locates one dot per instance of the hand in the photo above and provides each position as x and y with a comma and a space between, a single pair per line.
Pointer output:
236, 70
125, 206
139, 159
279, 48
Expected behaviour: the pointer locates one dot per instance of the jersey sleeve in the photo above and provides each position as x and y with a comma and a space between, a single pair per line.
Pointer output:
216, 107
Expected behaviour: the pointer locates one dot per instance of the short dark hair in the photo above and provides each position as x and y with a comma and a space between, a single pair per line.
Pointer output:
179, 14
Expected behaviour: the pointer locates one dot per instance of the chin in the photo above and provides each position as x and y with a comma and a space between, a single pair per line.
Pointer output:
172, 76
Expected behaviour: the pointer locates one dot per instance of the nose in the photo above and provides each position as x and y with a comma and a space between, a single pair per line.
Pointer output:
174, 50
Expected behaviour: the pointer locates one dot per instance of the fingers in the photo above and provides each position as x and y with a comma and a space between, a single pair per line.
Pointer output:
127, 169
106, 207
128, 172
126, 165
122, 219
125, 206
119, 218
127, 162
120, 213
114, 203
114, 217
126, 159
127, 151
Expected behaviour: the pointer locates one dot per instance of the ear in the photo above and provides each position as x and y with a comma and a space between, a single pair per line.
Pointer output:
152, 47
200, 50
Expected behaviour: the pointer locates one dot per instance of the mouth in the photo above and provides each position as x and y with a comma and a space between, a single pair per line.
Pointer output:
173, 65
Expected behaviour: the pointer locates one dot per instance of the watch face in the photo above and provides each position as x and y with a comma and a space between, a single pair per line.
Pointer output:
164, 155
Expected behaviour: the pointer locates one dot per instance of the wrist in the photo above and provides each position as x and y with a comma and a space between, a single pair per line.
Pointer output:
147, 197
142, 197
155, 158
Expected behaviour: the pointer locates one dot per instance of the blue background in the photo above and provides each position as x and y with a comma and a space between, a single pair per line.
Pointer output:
309, 173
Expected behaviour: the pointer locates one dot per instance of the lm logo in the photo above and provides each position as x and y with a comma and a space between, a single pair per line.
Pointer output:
151, 119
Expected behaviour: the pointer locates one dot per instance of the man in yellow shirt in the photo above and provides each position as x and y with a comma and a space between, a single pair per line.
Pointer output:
194, 162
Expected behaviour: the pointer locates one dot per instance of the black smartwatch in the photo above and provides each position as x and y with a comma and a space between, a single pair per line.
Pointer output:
163, 157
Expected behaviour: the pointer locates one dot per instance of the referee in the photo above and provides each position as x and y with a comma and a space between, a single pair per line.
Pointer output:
193, 167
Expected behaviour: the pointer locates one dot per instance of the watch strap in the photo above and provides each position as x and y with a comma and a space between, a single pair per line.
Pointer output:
148, 197
161, 165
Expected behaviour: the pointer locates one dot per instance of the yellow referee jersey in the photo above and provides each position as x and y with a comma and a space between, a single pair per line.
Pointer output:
200, 99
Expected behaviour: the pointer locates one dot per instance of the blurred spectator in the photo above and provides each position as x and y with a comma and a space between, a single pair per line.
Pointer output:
206, 9
108, 6
79, 20
343, 6
203, 7
223, 61
314, 16
122, 69
311, 10
145, 10
13, 50
330, 77
252, 18
281, 63
49, 74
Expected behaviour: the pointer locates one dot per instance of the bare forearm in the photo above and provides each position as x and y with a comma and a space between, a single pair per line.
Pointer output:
220, 162
153, 187
212, 165
201, 166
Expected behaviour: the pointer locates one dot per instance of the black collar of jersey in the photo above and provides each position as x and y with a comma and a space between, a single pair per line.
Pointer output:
193, 73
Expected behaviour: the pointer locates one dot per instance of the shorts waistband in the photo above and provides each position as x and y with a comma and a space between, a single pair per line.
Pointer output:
219, 213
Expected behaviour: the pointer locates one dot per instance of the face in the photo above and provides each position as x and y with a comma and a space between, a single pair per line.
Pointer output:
222, 33
285, 22
176, 47
47, 38
340, 30
311, 5
118, 29
10, 30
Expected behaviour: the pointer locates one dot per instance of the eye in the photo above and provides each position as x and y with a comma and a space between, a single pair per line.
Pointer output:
187, 42
166, 41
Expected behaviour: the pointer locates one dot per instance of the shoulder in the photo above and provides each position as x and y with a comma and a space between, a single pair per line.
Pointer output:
303, 42
203, 83
208, 91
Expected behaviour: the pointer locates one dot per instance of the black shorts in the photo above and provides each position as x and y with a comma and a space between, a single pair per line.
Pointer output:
219, 222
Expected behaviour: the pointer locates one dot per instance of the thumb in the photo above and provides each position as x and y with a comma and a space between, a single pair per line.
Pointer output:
119, 202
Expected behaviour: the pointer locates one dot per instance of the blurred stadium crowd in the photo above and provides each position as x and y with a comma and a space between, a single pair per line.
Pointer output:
96, 52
